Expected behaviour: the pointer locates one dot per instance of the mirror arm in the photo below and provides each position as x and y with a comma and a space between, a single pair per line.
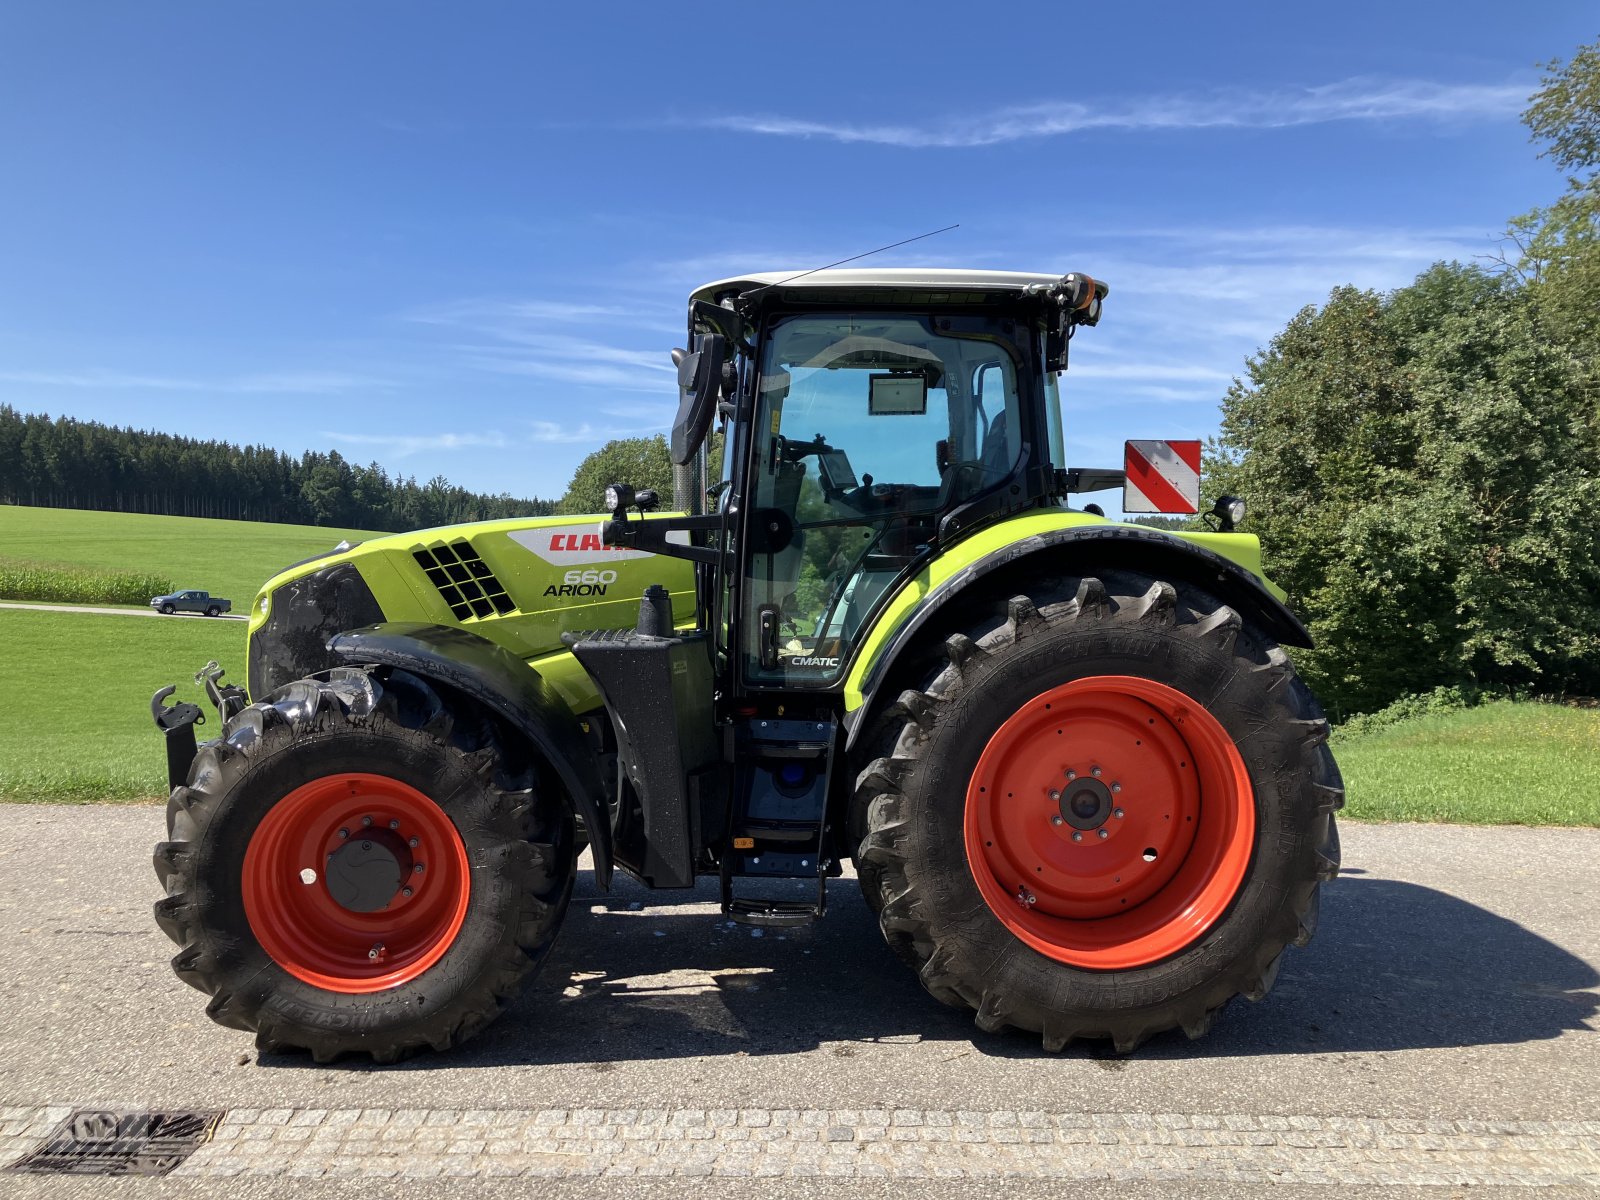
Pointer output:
651, 536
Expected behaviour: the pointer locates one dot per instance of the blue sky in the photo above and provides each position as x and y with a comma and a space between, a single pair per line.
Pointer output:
457, 238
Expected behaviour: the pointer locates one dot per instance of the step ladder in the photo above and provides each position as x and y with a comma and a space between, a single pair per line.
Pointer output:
777, 822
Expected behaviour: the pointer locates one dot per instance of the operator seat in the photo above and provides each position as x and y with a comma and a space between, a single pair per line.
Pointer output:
996, 451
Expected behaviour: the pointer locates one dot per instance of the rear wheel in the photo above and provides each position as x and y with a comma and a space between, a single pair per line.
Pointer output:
213, 611
1104, 814
361, 863
167, 610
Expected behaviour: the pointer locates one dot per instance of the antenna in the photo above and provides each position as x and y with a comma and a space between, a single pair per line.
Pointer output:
851, 259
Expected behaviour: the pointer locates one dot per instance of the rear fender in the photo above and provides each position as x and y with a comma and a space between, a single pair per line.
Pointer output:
1076, 548
507, 687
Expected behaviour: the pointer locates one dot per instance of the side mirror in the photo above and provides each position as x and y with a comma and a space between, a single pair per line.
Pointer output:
699, 382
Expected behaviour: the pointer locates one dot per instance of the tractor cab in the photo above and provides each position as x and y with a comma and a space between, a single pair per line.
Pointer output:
869, 419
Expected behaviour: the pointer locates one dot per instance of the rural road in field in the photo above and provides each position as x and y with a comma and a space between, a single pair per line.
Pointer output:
117, 612
1440, 1030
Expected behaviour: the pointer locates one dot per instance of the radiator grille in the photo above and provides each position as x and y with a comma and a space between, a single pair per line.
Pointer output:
464, 580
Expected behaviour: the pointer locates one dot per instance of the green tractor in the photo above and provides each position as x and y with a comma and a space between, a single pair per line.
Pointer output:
1081, 786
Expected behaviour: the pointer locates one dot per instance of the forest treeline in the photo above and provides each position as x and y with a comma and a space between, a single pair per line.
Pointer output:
65, 463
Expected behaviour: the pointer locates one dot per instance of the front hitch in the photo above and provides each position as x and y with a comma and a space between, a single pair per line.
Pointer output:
177, 721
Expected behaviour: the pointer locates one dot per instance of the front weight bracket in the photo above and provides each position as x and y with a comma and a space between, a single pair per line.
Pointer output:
176, 723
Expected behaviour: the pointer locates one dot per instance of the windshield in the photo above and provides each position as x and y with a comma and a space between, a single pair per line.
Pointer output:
869, 427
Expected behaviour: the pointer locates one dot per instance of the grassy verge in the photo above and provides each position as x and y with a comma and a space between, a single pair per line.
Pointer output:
231, 559
75, 700
1504, 763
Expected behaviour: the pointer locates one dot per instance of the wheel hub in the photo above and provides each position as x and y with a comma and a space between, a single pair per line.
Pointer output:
365, 874
1086, 804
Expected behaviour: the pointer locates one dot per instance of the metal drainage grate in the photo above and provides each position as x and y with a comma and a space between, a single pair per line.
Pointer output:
100, 1141
464, 580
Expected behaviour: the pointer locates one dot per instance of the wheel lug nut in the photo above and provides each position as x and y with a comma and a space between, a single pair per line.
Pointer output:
1056, 819
418, 868
1055, 795
1071, 775
1116, 787
1095, 771
1077, 835
1117, 813
366, 820
343, 833
1101, 833
405, 891
415, 842
394, 824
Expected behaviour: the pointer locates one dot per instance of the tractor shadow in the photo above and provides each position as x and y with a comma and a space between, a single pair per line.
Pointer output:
1396, 966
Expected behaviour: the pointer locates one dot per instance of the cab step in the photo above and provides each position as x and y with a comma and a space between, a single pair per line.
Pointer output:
772, 914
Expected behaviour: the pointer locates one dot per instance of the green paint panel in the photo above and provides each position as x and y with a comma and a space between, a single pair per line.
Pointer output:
521, 583
1241, 548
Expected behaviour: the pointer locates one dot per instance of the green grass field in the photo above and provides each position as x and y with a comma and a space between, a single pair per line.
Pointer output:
227, 558
75, 699
1506, 763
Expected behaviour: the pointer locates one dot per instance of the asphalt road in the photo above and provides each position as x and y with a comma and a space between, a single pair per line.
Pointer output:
1456, 976
116, 612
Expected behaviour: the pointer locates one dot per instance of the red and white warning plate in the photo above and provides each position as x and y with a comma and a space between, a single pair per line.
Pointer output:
1161, 477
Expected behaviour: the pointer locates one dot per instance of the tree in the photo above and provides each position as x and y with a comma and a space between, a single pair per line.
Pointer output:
1419, 468
66, 463
1559, 245
1565, 112
641, 462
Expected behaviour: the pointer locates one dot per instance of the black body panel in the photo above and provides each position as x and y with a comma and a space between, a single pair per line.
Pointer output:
1087, 547
509, 688
658, 691
303, 615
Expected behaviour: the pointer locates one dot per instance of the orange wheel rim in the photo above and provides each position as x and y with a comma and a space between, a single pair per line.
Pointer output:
356, 883
1110, 822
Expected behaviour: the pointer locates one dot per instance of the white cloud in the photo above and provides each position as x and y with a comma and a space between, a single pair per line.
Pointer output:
514, 338
552, 431
497, 313
272, 383
1358, 99
403, 445
1175, 372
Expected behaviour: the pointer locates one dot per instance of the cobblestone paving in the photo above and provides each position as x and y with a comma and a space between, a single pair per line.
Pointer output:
883, 1143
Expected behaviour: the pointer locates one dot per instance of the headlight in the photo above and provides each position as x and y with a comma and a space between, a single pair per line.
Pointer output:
618, 496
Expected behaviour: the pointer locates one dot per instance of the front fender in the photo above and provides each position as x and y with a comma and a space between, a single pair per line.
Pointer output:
508, 687
1071, 548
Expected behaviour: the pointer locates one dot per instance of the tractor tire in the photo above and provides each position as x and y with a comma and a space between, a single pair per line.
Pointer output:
213, 611
167, 610
363, 863
1104, 813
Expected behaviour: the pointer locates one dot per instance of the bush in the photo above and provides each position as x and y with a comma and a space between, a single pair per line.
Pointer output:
1425, 704
51, 584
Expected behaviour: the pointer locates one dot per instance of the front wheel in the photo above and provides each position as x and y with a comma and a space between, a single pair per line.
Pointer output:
361, 863
1104, 815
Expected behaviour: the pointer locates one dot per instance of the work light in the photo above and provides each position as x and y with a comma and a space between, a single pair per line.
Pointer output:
1229, 511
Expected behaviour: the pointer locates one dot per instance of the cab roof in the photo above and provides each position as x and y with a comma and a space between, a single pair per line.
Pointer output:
889, 278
